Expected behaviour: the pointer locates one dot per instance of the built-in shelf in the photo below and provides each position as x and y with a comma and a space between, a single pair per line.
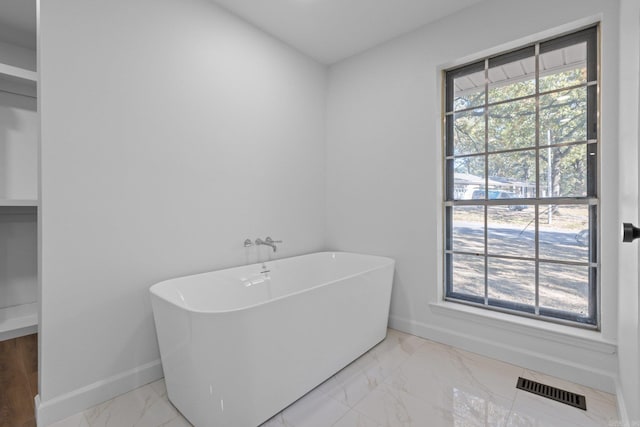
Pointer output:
18, 207
19, 81
15, 73
18, 222
18, 202
18, 320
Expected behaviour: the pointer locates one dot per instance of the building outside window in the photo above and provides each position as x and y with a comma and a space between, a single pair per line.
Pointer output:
521, 181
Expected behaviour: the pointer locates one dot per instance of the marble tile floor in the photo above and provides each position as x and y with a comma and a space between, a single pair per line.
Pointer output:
403, 381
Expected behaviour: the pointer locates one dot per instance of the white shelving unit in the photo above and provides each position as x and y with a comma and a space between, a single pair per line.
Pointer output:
18, 202
18, 216
18, 80
18, 320
18, 74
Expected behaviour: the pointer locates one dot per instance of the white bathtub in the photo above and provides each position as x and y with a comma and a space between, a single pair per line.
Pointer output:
239, 345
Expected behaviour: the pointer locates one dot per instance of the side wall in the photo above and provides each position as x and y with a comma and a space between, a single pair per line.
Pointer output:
384, 184
171, 131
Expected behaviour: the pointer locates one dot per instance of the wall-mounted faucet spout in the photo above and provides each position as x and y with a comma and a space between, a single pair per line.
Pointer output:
268, 242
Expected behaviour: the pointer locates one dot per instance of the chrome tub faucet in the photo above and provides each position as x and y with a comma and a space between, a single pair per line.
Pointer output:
268, 242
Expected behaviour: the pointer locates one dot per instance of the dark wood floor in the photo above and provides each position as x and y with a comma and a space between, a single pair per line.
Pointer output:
18, 381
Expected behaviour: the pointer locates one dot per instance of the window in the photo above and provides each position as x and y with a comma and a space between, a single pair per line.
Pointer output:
521, 188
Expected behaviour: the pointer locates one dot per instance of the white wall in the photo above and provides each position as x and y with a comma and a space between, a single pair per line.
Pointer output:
171, 131
629, 263
384, 186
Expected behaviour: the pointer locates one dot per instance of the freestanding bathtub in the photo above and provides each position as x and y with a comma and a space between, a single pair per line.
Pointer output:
239, 345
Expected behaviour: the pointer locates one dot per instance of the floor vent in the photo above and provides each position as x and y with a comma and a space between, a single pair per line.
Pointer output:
559, 395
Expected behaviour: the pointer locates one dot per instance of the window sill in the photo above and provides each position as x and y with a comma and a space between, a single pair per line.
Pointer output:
590, 340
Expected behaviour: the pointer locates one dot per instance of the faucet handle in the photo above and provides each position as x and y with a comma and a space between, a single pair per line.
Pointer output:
248, 243
270, 240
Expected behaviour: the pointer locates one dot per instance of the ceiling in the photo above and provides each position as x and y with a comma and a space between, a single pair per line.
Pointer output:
331, 30
326, 30
18, 22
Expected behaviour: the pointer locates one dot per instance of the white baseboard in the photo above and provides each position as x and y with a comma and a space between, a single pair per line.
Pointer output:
622, 407
566, 369
60, 407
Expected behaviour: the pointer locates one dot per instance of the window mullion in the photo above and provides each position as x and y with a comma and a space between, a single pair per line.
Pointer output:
486, 180
537, 207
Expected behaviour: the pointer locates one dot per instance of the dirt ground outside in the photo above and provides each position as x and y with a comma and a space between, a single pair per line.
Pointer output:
512, 233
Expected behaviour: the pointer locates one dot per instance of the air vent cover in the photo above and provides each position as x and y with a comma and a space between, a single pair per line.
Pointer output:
559, 395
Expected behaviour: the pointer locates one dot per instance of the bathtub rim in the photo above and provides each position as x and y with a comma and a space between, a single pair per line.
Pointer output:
154, 293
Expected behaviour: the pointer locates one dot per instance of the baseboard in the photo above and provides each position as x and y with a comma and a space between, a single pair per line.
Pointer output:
60, 407
622, 407
566, 369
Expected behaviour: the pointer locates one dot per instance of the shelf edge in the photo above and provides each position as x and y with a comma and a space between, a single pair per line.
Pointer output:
19, 202
17, 321
19, 73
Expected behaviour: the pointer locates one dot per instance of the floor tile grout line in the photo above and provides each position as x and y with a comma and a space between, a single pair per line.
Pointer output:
515, 395
342, 417
355, 411
366, 417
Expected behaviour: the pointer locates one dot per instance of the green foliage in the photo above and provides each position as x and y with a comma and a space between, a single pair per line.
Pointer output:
512, 125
